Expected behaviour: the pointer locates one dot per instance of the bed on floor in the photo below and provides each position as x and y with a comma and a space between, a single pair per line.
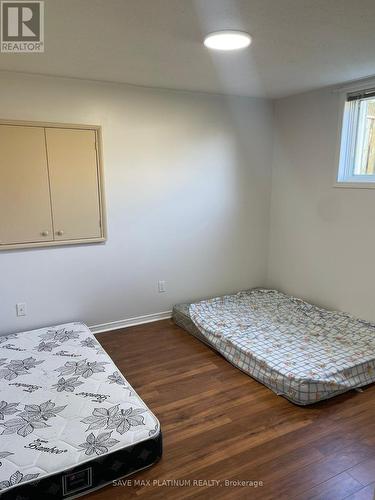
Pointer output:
298, 350
69, 421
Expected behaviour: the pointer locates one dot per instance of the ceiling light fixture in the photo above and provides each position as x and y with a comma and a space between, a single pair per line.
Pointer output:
227, 40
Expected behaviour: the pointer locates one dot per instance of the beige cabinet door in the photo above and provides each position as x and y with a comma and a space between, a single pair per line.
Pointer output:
73, 169
25, 208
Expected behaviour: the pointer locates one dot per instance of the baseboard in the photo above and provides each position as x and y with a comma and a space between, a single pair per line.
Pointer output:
124, 323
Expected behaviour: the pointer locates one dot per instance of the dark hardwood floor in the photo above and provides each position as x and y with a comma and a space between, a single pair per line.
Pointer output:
219, 424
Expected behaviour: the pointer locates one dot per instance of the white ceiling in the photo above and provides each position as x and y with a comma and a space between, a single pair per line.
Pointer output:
297, 45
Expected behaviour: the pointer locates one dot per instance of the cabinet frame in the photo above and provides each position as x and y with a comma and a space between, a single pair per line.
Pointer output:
101, 192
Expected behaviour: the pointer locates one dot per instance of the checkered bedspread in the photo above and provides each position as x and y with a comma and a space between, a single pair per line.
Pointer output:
298, 350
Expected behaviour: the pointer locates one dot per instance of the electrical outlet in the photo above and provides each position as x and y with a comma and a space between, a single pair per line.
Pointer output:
21, 309
162, 286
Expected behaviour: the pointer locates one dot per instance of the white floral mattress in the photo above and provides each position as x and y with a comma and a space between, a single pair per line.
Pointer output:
295, 348
63, 403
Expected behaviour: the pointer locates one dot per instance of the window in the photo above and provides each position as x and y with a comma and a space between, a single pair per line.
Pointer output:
357, 154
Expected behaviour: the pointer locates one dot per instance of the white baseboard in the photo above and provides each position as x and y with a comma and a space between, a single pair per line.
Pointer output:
124, 323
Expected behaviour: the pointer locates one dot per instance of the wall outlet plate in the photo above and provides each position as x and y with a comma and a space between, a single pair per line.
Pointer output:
162, 286
21, 309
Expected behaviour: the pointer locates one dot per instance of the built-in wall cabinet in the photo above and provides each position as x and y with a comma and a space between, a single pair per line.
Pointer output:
51, 185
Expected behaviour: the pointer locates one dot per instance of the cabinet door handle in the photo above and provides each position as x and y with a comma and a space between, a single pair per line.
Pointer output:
60, 233
45, 233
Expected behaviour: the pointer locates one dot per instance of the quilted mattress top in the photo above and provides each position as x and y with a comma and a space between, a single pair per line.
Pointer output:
63, 402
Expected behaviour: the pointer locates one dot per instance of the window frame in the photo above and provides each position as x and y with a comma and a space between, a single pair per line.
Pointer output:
346, 148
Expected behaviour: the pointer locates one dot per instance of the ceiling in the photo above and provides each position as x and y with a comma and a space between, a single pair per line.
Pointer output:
298, 45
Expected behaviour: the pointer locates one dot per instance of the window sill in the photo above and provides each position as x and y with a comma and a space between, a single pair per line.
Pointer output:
355, 185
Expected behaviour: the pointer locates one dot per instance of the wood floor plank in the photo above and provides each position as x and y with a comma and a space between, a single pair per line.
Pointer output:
336, 488
366, 493
364, 472
221, 425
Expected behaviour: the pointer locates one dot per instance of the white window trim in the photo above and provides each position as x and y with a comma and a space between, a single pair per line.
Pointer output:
365, 182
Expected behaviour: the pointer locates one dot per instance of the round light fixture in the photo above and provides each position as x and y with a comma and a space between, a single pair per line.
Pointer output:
227, 40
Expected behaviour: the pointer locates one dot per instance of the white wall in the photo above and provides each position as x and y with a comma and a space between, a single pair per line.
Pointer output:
322, 239
188, 189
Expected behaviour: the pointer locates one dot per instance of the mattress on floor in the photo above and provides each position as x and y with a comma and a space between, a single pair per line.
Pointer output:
298, 350
69, 421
